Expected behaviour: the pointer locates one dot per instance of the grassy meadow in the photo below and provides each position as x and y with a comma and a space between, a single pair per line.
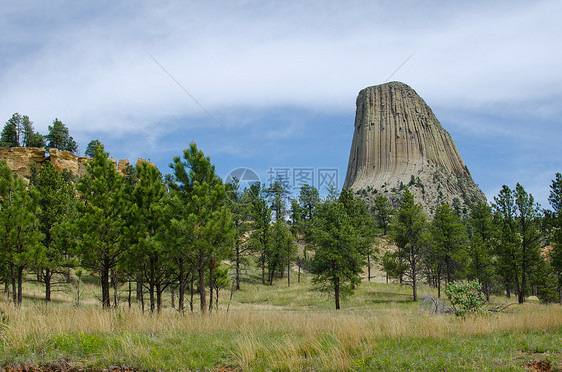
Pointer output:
278, 328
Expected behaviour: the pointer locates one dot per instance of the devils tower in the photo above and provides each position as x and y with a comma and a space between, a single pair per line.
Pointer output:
398, 142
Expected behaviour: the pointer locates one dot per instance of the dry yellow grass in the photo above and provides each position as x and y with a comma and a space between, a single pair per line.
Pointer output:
283, 341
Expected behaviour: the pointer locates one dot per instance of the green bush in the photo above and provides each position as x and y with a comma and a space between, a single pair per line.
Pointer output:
466, 297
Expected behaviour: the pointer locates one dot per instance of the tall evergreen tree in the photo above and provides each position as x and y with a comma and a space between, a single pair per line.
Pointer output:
364, 223
282, 251
308, 198
481, 260
181, 238
543, 280
91, 148
19, 230
506, 241
296, 216
411, 234
59, 137
277, 194
151, 257
300, 228
31, 138
57, 209
338, 258
102, 226
449, 243
19, 132
528, 224
383, 212
201, 221
517, 245
260, 239
555, 199
239, 203
12, 132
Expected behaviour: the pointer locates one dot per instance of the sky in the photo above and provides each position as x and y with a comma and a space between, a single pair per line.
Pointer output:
271, 86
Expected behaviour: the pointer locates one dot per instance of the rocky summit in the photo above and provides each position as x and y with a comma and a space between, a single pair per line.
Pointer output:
398, 142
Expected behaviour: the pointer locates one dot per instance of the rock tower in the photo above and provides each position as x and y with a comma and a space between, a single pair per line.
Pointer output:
398, 142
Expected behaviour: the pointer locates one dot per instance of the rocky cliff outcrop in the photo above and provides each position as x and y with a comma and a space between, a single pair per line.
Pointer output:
67, 160
398, 142
19, 159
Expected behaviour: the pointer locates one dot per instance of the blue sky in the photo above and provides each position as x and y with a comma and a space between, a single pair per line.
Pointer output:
282, 78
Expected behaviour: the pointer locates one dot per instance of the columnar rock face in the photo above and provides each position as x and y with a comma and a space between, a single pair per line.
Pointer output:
19, 159
398, 142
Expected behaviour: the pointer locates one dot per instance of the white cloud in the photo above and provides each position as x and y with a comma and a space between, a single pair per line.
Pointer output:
310, 54
87, 63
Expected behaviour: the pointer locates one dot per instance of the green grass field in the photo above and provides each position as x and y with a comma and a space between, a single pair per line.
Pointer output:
279, 328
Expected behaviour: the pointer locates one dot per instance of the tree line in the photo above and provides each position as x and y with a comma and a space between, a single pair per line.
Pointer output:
19, 132
174, 234
510, 246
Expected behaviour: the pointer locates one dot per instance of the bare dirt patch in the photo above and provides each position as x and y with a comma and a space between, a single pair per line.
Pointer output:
62, 367
539, 365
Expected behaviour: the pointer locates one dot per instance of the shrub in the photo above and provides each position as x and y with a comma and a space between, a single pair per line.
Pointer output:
466, 297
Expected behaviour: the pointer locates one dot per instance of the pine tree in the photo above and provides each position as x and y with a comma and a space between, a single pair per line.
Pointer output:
260, 239
150, 256
19, 132
392, 265
201, 222
449, 243
19, 231
102, 226
555, 199
239, 203
296, 216
57, 209
308, 198
30, 137
506, 241
529, 214
91, 148
364, 223
338, 259
282, 250
11, 132
543, 279
220, 282
411, 234
59, 137
383, 212
481, 260
517, 245
277, 193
